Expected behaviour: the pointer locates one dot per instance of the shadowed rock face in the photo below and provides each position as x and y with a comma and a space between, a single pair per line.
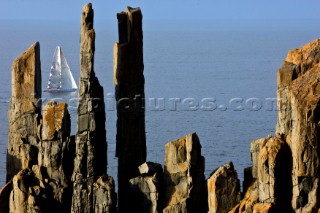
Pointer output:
129, 89
183, 176
5, 197
104, 196
223, 189
24, 112
274, 174
28, 194
146, 190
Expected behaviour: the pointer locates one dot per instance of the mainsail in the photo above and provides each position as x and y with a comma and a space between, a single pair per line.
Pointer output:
60, 79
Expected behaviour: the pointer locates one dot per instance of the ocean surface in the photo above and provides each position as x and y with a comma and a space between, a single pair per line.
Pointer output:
217, 79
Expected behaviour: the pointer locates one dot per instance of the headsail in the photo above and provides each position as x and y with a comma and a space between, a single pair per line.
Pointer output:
60, 79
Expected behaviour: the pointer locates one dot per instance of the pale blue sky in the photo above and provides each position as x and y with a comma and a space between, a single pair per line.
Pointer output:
166, 9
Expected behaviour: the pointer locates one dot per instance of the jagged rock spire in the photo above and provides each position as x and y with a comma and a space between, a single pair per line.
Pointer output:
93, 189
129, 89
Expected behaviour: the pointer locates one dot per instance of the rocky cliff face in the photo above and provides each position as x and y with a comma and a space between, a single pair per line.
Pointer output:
50, 171
297, 63
24, 112
285, 168
129, 89
303, 133
45, 186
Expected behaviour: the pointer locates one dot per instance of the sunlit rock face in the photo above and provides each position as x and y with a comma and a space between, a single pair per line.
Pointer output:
223, 189
25, 111
298, 123
184, 176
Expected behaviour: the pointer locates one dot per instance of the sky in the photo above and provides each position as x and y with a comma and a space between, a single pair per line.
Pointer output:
202, 10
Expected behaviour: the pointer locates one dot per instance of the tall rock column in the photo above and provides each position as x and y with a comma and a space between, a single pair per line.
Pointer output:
129, 89
91, 147
24, 112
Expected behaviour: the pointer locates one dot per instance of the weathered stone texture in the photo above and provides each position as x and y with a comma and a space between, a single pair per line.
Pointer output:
265, 208
271, 167
129, 93
223, 189
56, 154
91, 192
274, 174
304, 139
251, 197
298, 62
298, 123
27, 195
104, 196
24, 111
183, 176
255, 148
146, 190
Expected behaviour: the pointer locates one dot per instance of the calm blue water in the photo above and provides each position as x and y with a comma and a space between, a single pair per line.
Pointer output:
183, 62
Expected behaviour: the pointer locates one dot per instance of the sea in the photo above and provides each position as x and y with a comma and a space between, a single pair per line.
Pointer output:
217, 78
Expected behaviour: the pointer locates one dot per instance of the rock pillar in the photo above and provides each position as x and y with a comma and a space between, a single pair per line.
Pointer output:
223, 189
129, 89
274, 174
91, 147
183, 176
24, 112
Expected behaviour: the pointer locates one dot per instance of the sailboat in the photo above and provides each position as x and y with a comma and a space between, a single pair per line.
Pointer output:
61, 79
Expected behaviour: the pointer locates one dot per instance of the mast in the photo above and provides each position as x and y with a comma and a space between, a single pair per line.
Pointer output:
59, 67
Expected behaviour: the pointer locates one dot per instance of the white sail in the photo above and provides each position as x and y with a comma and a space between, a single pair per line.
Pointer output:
67, 80
61, 79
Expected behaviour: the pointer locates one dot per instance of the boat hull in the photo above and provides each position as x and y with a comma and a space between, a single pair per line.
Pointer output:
59, 90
